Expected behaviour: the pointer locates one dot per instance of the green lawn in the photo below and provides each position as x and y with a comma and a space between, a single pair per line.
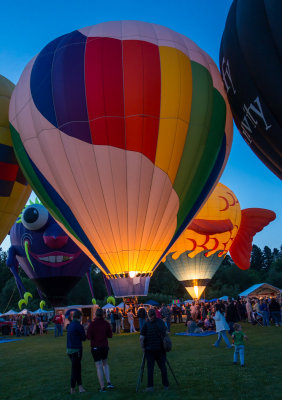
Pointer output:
37, 368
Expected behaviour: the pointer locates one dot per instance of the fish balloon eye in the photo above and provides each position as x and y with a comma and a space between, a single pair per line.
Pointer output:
35, 217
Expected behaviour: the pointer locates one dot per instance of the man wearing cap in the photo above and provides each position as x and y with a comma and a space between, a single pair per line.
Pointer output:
151, 336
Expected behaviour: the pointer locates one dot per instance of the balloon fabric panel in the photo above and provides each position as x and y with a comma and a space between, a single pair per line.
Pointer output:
14, 190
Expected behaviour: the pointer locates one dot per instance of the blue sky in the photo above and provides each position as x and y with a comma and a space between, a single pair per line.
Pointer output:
27, 26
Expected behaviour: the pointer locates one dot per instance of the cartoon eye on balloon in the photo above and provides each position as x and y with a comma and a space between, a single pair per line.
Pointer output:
34, 217
220, 226
251, 68
14, 190
123, 129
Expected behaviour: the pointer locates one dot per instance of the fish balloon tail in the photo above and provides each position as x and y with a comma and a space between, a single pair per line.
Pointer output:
253, 220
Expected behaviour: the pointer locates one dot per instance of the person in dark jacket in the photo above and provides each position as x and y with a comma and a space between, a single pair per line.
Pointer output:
231, 315
75, 337
98, 333
275, 313
151, 336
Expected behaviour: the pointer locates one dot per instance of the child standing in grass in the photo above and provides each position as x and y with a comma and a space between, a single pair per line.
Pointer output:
238, 337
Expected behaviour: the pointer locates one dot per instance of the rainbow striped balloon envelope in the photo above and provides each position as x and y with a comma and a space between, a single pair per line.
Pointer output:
14, 190
123, 129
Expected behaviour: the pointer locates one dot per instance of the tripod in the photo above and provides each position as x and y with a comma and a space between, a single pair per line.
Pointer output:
141, 373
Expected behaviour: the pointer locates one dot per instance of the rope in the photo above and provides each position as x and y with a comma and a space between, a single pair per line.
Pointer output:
10, 300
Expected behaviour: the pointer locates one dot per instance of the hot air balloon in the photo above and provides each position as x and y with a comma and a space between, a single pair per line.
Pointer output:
14, 190
220, 226
123, 129
46, 254
251, 68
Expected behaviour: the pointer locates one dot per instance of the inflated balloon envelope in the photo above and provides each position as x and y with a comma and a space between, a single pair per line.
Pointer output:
251, 67
123, 129
220, 226
14, 189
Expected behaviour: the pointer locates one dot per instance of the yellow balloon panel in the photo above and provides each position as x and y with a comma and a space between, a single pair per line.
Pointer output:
14, 191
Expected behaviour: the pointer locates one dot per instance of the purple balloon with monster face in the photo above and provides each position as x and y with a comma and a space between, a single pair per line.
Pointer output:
46, 253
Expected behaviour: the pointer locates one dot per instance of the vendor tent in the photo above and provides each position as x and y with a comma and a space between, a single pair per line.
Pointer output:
108, 307
10, 312
25, 311
261, 289
151, 303
224, 298
40, 311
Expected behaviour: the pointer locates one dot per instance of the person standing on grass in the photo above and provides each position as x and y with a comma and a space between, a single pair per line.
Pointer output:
221, 326
75, 337
151, 336
238, 337
231, 315
141, 314
130, 317
166, 316
58, 321
98, 333
118, 320
275, 313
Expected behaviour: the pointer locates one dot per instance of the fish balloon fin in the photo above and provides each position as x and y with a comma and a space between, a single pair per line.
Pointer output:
210, 227
253, 220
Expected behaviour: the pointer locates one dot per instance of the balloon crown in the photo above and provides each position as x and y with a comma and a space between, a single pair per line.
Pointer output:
36, 201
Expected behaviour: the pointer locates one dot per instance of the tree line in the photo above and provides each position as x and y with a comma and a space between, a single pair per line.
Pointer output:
266, 266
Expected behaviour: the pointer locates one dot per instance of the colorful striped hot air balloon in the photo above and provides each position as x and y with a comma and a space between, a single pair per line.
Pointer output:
122, 129
14, 190
220, 226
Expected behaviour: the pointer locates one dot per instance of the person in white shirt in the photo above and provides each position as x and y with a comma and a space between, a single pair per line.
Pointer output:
130, 317
221, 326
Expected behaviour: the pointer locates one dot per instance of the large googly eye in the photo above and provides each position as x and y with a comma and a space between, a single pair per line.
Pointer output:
34, 217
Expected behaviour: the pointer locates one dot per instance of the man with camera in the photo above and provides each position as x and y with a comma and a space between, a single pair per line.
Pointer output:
151, 340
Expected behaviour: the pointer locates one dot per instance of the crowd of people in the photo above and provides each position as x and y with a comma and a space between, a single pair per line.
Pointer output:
153, 323
29, 324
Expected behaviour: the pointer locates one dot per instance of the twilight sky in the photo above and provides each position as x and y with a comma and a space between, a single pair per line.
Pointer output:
30, 25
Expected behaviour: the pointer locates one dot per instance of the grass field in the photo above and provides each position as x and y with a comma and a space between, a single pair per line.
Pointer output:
37, 368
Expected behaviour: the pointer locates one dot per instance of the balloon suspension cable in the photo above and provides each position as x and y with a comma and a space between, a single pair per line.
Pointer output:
27, 254
10, 299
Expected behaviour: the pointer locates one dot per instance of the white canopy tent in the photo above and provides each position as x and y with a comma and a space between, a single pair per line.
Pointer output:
40, 311
260, 290
108, 307
24, 311
10, 312
121, 305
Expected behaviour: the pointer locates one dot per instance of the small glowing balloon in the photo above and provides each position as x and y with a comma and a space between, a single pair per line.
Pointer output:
220, 226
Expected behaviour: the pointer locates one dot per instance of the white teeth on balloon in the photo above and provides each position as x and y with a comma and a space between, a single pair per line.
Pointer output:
43, 258
55, 259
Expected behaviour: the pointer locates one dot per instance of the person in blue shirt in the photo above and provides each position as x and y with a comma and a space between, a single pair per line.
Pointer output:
265, 313
75, 337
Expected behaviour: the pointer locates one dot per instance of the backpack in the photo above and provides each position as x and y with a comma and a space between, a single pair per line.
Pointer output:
166, 341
